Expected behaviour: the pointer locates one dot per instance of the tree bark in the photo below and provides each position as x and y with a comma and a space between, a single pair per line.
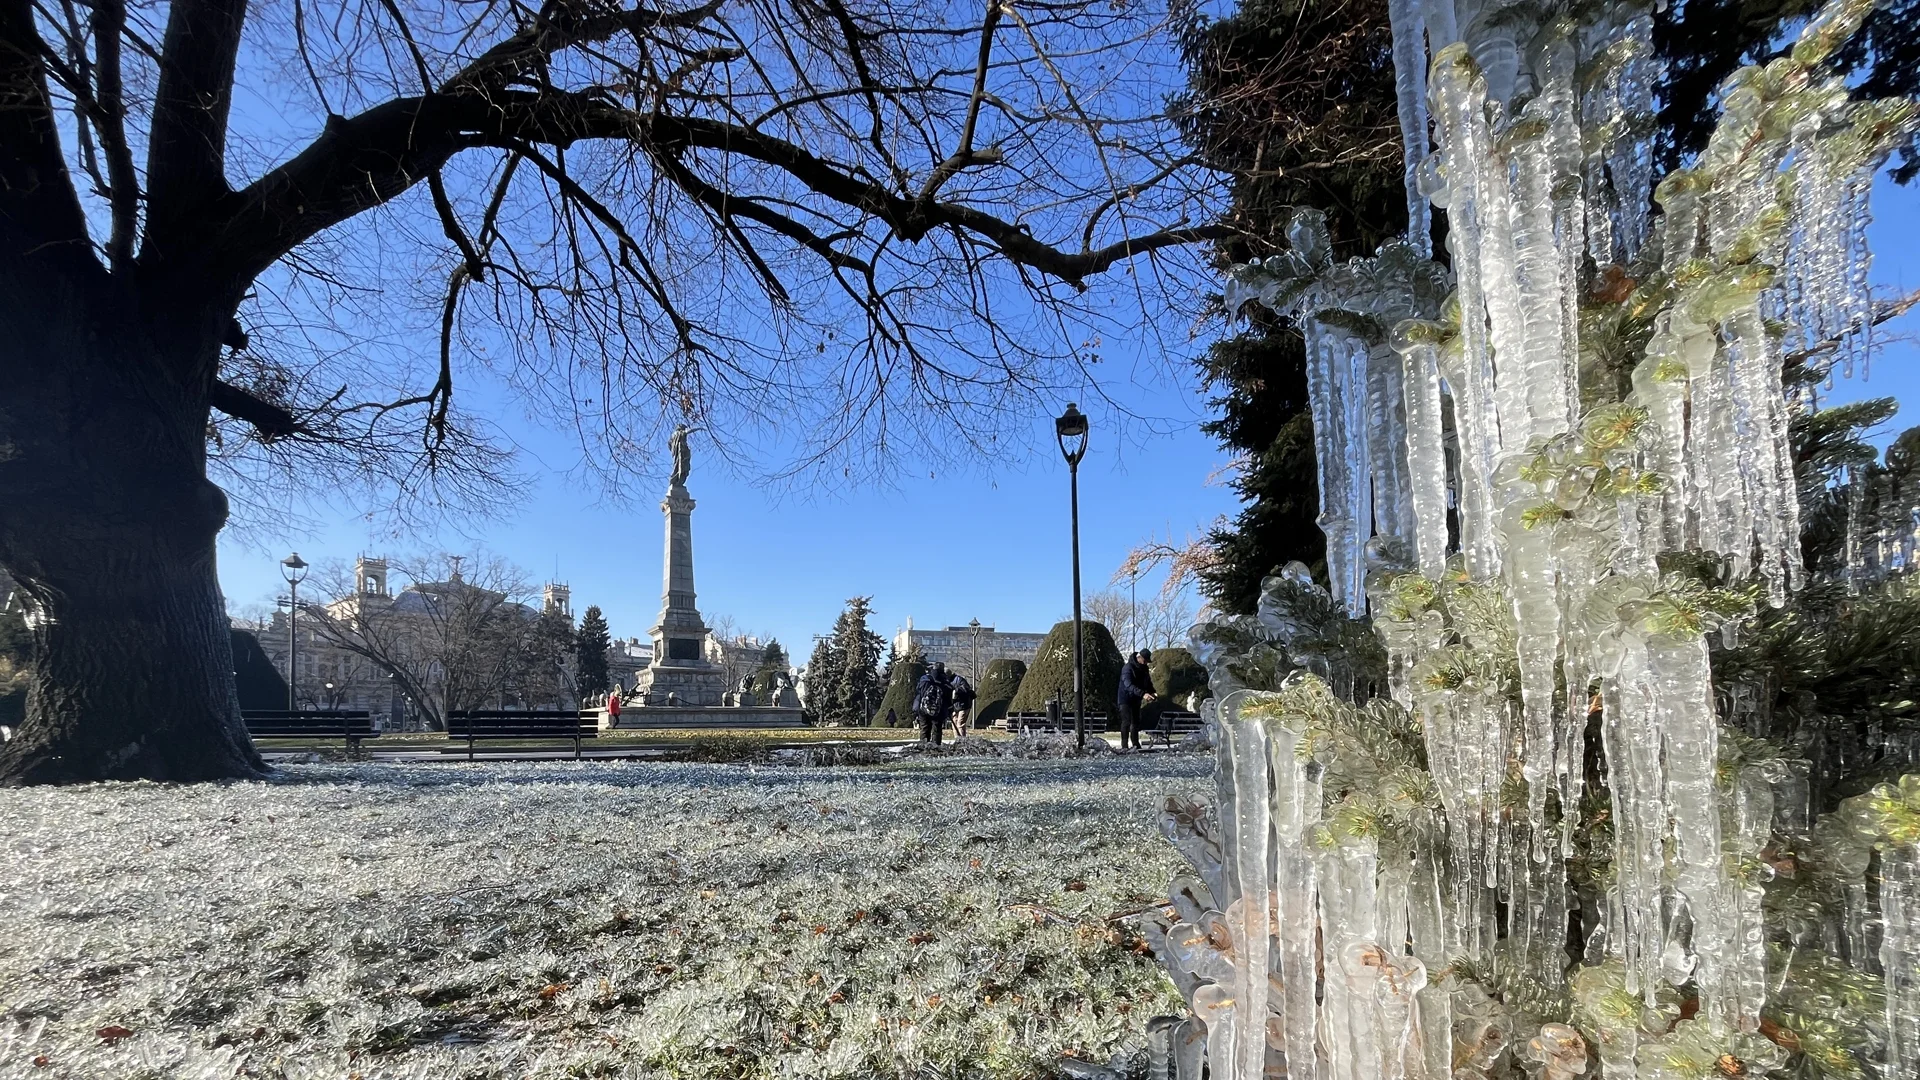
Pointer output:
107, 521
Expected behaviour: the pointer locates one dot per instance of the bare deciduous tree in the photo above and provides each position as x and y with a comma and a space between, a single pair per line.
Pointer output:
867, 218
1158, 620
451, 639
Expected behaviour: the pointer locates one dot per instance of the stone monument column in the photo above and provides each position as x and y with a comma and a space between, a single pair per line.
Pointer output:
679, 636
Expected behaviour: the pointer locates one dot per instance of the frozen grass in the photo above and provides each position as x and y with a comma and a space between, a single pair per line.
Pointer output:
943, 918
617, 739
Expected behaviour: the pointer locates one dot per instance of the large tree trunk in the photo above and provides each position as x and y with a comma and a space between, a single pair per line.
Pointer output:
107, 520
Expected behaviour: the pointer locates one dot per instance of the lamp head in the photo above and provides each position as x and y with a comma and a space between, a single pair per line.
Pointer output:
293, 568
1071, 424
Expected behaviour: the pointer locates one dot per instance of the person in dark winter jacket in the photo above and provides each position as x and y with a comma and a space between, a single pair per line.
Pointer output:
933, 703
963, 698
1136, 689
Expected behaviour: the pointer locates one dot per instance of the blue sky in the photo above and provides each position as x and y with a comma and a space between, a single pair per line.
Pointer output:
988, 542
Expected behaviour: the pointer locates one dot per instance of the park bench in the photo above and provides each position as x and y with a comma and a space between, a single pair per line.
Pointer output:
1171, 723
1039, 721
474, 725
1020, 721
348, 724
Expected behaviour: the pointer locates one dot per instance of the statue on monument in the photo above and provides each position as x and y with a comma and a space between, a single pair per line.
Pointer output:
682, 456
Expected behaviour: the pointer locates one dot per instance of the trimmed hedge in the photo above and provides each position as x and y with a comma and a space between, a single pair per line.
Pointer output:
1176, 675
1052, 671
257, 682
899, 696
997, 686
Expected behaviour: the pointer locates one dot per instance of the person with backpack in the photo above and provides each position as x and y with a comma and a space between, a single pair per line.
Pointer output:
933, 703
1136, 689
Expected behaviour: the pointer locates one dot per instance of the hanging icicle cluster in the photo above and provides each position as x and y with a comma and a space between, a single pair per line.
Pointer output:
1592, 394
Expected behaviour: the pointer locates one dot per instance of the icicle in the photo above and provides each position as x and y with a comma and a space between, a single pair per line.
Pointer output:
1630, 164
1637, 933
1410, 83
1751, 829
1296, 806
1558, 103
1426, 454
1244, 1057
1387, 431
1348, 925
1458, 94
1426, 915
1900, 955
1443, 27
1537, 636
1527, 287
1336, 386
1689, 730
1767, 447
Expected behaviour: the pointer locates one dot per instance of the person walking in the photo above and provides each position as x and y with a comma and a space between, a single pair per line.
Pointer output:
933, 703
613, 708
963, 698
1136, 689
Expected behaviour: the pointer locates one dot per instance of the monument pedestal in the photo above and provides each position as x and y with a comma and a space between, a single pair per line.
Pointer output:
680, 673
682, 684
644, 717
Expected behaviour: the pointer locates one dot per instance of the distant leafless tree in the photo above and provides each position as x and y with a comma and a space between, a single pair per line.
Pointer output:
1157, 620
465, 639
848, 222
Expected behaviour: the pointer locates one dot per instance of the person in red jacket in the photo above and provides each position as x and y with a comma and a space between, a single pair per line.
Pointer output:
613, 708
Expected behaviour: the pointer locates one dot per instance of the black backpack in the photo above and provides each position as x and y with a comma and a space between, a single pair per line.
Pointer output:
932, 698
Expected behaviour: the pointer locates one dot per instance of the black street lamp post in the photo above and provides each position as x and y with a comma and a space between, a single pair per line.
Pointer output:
1072, 424
294, 569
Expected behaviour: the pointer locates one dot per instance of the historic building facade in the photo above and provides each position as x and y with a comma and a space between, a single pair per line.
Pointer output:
968, 649
332, 676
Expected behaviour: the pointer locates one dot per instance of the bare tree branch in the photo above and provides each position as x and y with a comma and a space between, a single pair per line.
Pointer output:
39, 209
271, 420
109, 21
964, 154
187, 151
1885, 311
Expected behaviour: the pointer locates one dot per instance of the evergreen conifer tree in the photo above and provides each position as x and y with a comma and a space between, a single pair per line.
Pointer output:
766, 675
1294, 99
590, 646
856, 650
774, 657
821, 680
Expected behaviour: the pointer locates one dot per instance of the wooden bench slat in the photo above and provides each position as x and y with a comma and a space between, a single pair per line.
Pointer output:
474, 725
353, 725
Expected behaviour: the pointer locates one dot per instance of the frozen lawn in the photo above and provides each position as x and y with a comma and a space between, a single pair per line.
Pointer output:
947, 918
